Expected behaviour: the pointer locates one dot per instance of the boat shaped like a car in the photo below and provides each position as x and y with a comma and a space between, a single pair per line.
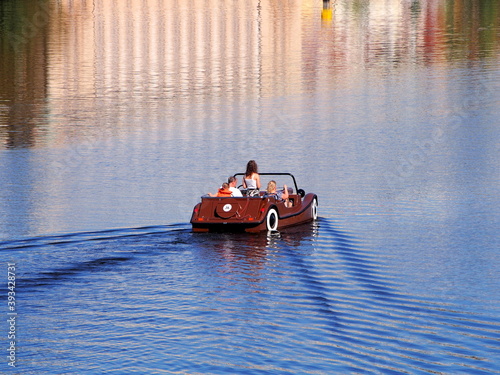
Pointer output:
254, 214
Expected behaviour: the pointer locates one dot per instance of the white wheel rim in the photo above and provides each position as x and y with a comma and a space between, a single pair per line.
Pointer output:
315, 210
272, 223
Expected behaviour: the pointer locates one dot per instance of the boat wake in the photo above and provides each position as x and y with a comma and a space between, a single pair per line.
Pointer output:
310, 299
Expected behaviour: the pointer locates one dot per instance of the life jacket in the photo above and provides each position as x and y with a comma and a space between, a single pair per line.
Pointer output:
224, 193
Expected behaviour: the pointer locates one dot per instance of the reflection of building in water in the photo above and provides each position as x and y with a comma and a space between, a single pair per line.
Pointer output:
164, 62
103, 66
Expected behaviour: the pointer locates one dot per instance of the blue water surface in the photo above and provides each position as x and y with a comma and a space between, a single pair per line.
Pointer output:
115, 117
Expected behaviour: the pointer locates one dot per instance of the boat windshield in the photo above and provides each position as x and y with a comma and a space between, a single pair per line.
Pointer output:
281, 179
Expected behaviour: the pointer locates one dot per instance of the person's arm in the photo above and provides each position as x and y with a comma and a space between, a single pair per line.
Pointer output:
244, 182
257, 180
284, 196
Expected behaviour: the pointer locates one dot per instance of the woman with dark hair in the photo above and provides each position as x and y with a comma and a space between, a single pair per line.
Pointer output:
251, 180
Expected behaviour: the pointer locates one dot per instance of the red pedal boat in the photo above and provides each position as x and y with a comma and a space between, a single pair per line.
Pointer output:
254, 214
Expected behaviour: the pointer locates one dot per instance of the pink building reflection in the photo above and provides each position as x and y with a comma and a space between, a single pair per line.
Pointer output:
103, 66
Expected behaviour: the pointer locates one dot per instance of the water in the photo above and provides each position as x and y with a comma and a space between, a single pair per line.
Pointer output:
116, 117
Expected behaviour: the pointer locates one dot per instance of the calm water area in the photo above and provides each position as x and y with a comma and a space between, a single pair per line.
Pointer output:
116, 116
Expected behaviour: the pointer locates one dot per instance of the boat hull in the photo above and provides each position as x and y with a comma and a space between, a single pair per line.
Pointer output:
252, 214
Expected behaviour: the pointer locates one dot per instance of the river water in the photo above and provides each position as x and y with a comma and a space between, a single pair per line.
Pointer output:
116, 116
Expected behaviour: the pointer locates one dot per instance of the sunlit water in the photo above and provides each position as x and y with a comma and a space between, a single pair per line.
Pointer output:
115, 117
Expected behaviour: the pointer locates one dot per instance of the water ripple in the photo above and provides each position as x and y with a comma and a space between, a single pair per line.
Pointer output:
311, 300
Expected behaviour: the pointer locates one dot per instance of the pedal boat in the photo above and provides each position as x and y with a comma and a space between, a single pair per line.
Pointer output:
254, 214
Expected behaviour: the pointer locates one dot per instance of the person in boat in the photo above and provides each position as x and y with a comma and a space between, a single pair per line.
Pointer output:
281, 195
233, 182
223, 191
251, 180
